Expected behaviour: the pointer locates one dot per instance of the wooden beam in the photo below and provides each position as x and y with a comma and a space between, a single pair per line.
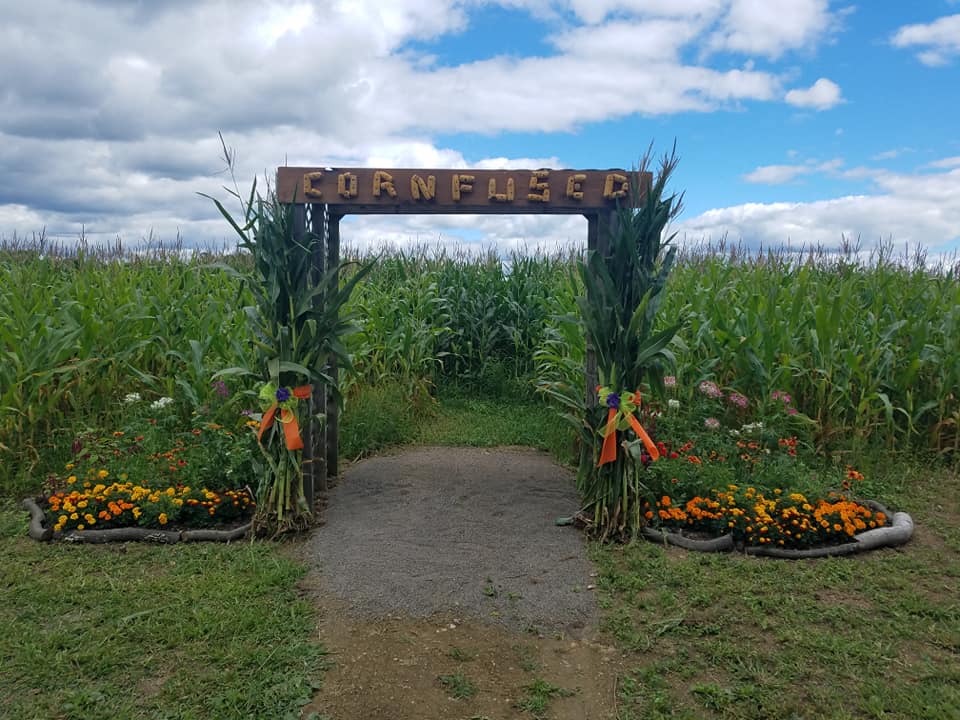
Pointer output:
426, 191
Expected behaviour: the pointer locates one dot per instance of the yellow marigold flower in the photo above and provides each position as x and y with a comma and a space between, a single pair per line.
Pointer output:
171, 491
74, 516
82, 504
62, 519
137, 512
162, 519
103, 474
72, 479
178, 502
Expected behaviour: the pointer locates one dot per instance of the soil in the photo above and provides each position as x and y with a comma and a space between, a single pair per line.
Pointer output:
435, 562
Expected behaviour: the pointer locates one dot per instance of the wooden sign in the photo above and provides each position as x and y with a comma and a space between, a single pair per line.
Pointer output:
370, 190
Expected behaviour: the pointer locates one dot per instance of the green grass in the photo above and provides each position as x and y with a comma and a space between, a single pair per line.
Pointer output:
140, 631
461, 655
537, 696
377, 418
726, 636
458, 685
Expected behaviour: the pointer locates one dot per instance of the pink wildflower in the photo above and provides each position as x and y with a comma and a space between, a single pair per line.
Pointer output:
738, 399
710, 389
711, 423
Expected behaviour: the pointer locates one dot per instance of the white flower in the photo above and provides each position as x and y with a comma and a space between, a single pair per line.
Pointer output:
673, 404
131, 398
161, 403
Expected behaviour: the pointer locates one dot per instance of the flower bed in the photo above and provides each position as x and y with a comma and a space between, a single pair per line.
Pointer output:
745, 476
152, 479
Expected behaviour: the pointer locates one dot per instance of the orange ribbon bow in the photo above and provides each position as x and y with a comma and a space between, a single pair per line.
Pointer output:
625, 409
288, 418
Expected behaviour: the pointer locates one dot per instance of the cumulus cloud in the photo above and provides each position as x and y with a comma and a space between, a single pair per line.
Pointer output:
947, 163
781, 174
110, 110
937, 43
919, 209
822, 95
772, 27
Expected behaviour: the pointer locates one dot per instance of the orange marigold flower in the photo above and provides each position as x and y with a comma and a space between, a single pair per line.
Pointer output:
665, 501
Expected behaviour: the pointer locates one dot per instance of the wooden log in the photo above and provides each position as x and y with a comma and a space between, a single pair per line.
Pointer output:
215, 535
164, 537
724, 543
36, 530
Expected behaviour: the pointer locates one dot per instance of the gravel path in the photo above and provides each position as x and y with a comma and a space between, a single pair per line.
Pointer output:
467, 532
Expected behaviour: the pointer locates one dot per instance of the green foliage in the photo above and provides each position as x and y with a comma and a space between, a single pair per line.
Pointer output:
78, 333
79, 330
376, 417
625, 288
297, 326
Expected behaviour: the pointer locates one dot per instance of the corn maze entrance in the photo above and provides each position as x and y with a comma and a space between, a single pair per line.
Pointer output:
322, 196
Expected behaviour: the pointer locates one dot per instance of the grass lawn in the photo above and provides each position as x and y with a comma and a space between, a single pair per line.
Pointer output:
218, 631
728, 636
139, 631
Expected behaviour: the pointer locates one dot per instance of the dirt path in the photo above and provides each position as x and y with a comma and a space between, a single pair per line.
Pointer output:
440, 573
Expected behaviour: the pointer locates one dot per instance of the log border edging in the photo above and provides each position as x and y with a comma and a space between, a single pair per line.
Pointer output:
897, 533
37, 531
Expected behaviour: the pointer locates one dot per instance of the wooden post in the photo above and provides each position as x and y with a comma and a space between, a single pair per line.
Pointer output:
318, 404
332, 399
600, 226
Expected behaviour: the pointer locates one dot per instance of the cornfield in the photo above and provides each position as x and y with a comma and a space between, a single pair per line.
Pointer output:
868, 348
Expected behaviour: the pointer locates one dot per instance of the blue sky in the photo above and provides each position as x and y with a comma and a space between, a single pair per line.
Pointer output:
797, 121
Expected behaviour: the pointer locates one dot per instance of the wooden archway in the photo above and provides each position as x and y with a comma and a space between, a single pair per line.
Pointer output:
322, 196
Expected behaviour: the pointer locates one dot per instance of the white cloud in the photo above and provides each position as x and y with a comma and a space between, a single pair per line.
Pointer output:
776, 174
946, 163
595, 11
919, 209
781, 174
892, 154
822, 95
772, 27
116, 129
937, 42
